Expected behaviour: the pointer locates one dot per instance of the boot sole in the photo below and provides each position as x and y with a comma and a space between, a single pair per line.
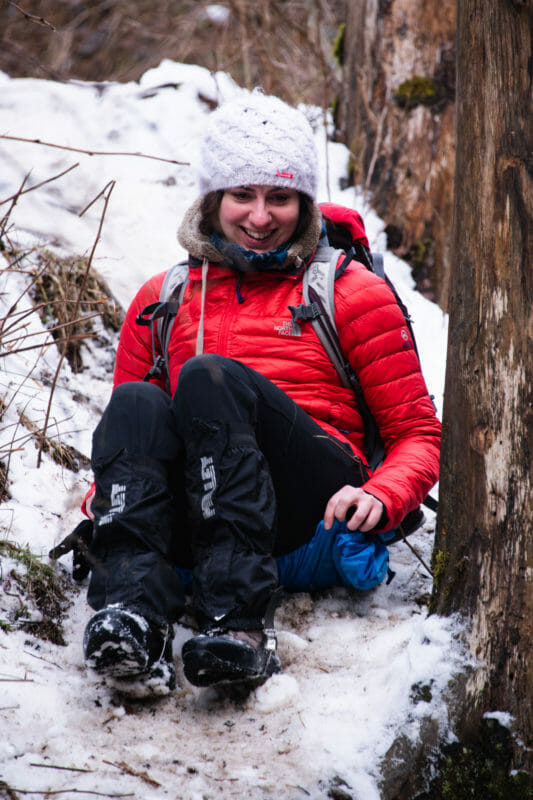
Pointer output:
203, 667
113, 659
116, 647
114, 644
159, 681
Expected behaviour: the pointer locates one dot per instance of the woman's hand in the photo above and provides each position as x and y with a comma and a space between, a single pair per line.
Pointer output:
367, 513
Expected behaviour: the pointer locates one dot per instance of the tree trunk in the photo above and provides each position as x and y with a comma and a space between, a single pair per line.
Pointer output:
484, 547
397, 117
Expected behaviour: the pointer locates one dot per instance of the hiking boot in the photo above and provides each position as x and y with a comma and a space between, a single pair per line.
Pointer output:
130, 652
234, 657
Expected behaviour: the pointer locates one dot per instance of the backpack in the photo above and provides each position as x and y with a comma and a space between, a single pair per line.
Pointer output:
319, 308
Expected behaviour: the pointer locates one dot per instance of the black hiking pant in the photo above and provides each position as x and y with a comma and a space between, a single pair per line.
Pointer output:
221, 478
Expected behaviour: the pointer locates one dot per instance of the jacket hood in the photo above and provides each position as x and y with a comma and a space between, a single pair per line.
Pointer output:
349, 218
200, 246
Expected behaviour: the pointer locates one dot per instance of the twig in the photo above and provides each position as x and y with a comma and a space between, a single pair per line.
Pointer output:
12, 400
100, 194
46, 661
5, 588
60, 326
417, 554
123, 767
31, 17
325, 104
48, 792
108, 187
22, 419
375, 152
20, 257
93, 152
221, 780
10, 449
14, 198
44, 345
377, 123
22, 191
14, 305
56, 766
27, 312
296, 786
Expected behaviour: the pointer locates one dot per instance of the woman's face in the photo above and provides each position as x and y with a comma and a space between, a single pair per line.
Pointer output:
259, 218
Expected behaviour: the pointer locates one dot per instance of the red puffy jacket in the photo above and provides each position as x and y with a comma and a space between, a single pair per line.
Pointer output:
252, 323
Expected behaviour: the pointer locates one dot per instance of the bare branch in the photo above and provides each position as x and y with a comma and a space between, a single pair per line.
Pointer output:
92, 152
18, 316
56, 766
22, 191
14, 198
58, 327
100, 194
108, 187
49, 792
66, 341
32, 17
123, 767
16, 302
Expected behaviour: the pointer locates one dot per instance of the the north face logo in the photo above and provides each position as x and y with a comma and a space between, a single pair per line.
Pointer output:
288, 328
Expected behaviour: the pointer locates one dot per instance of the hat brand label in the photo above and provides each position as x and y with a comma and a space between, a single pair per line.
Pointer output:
280, 174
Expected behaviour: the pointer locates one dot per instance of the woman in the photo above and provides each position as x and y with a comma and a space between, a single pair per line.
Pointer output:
252, 440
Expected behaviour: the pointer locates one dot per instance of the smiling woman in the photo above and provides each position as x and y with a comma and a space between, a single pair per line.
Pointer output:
250, 449
259, 218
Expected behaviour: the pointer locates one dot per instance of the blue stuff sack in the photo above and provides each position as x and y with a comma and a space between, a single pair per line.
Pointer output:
335, 557
361, 561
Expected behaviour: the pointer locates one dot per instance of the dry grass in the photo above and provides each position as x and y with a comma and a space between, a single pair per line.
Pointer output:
285, 46
35, 586
63, 454
68, 295
56, 294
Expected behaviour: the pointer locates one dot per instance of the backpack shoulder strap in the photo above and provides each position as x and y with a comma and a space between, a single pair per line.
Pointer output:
378, 264
160, 316
171, 295
318, 289
174, 277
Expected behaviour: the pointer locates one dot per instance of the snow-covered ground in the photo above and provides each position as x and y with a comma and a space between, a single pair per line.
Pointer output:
350, 660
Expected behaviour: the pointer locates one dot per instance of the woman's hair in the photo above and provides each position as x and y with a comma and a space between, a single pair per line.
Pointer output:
210, 205
209, 213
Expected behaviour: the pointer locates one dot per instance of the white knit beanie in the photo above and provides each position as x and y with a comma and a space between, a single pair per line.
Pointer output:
258, 139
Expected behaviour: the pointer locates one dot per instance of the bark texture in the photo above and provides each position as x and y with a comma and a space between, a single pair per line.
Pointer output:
484, 548
397, 117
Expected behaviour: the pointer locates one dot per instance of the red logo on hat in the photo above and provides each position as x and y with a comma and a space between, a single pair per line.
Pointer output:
284, 175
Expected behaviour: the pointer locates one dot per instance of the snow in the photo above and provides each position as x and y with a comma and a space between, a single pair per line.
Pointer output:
352, 661
502, 717
217, 14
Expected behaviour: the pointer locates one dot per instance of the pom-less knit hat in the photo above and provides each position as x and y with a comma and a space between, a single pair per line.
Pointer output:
258, 139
